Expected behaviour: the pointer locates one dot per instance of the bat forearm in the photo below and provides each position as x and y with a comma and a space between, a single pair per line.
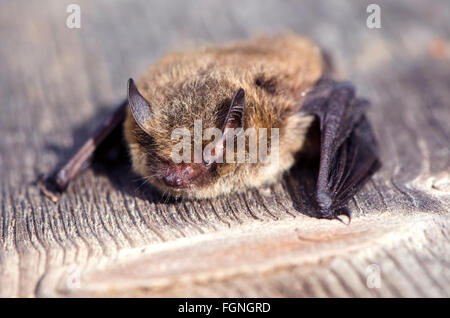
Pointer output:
84, 155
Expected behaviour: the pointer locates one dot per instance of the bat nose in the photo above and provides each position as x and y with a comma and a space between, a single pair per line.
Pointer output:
173, 181
178, 176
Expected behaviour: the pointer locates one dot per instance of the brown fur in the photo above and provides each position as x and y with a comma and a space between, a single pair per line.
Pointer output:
275, 73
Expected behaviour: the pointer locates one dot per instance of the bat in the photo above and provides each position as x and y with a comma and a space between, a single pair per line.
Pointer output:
277, 84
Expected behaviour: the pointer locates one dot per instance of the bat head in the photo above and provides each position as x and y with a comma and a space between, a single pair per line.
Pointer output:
173, 150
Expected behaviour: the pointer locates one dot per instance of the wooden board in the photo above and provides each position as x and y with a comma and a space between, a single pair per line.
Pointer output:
111, 236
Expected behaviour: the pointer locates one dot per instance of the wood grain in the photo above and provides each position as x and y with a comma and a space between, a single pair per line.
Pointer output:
109, 235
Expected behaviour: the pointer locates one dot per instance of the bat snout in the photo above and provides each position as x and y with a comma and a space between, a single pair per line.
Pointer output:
179, 176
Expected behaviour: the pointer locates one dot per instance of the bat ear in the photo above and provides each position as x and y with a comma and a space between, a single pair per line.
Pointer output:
140, 108
236, 112
233, 121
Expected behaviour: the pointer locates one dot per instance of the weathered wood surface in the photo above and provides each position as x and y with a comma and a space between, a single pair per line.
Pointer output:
107, 236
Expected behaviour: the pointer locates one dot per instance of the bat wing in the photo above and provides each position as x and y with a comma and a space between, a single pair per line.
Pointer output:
82, 158
348, 150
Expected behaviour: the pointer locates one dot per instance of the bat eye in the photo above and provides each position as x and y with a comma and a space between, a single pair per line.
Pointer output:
267, 84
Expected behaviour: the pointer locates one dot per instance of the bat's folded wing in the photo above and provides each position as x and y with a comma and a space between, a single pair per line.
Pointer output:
348, 150
82, 158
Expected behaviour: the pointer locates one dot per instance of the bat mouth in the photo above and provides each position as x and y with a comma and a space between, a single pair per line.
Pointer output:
185, 190
183, 180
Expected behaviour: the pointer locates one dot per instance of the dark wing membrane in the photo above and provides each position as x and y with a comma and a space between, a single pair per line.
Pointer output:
348, 151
